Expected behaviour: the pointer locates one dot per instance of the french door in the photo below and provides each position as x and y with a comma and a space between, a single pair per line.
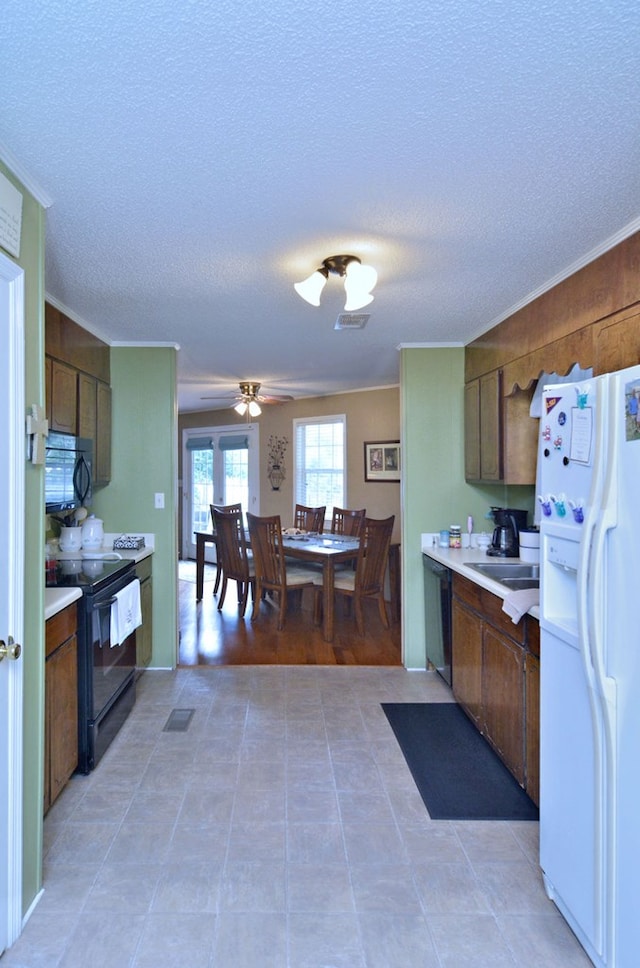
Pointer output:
220, 466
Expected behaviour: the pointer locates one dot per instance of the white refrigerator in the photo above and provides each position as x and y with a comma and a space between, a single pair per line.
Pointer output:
589, 477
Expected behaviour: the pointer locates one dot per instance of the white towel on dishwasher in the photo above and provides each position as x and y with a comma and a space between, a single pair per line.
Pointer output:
126, 613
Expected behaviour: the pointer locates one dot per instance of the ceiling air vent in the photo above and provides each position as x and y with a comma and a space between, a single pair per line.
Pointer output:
352, 320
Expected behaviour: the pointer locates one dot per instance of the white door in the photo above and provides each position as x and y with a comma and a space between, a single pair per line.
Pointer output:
220, 466
11, 596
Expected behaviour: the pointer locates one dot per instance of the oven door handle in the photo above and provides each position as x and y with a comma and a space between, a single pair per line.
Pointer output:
106, 604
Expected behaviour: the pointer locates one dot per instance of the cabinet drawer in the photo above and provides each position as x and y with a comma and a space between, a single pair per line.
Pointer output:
492, 610
467, 591
60, 627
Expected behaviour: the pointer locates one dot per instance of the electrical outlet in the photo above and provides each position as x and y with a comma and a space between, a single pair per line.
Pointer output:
159, 501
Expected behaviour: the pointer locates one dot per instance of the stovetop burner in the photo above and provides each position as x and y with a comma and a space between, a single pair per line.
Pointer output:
86, 573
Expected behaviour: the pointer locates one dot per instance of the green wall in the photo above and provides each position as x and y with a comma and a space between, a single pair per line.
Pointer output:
434, 491
32, 261
144, 462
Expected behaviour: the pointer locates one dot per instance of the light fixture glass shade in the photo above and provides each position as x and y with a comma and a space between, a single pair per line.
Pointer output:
357, 300
311, 288
241, 408
358, 283
254, 409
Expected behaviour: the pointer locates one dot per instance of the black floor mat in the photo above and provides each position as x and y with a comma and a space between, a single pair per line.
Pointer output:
456, 771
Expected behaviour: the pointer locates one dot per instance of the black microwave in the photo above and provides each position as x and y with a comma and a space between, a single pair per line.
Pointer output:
67, 472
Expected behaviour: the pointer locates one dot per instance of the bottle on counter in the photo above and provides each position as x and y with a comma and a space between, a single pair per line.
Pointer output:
455, 536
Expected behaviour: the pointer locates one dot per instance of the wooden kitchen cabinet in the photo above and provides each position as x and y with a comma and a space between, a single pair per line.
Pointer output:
466, 659
495, 677
87, 413
144, 633
61, 703
62, 398
483, 428
102, 438
532, 726
503, 698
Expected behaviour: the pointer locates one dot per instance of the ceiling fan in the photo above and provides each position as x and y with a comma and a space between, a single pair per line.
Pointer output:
248, 400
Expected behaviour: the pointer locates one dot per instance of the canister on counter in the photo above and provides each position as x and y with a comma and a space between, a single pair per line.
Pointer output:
455, 536
444, 539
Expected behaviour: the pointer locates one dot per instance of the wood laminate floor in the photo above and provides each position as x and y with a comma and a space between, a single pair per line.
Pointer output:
210, 637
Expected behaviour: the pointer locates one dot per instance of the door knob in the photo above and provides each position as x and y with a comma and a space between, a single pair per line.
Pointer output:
10, 651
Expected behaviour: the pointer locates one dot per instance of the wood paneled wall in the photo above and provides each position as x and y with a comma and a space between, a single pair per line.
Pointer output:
591, 318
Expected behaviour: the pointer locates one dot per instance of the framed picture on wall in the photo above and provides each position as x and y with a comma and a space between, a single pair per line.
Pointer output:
382, 460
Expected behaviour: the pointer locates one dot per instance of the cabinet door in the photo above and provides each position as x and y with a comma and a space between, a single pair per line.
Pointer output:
62, 716
472, 431
466, 659
64, 398
532, 726
144, 634
490, 427
86, 406
503, 698
102, 470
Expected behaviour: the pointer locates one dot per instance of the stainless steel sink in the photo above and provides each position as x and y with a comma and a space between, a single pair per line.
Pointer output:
514, 576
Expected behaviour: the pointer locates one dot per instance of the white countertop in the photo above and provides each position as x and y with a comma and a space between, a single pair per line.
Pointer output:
458, 559
55, 599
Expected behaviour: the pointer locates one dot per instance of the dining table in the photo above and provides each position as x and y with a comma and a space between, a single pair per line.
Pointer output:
327, 550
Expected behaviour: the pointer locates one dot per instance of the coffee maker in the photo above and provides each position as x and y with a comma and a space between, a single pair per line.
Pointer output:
508, 524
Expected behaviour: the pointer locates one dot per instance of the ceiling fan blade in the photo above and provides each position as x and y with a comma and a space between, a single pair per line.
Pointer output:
274, 398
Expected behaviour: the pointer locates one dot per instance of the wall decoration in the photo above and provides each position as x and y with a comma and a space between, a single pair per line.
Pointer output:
382, 460
275, 465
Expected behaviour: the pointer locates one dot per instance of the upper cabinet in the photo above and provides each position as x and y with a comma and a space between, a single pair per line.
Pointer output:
483, 428
591, 318
500, 436
78, 393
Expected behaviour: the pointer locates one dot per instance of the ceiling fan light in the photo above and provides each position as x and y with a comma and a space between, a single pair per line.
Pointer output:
254, 408
241, 408
357, 300
311, 287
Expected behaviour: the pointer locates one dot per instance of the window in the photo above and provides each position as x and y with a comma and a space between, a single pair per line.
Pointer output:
320, 461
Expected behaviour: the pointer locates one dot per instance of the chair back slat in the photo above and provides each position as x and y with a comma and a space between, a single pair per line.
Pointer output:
309, 519
347, 521
232, 545
375, 539
268, 555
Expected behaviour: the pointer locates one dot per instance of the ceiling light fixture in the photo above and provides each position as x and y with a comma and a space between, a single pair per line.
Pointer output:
359, 280
252, 406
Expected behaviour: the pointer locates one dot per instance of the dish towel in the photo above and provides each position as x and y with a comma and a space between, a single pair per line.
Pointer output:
126, 613
517, 604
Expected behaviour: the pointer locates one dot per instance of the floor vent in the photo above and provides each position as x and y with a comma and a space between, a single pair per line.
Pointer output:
178, 721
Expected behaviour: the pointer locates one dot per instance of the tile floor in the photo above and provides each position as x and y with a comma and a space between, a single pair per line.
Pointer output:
282, 830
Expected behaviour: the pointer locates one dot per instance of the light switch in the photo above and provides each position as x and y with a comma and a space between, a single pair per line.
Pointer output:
159, 501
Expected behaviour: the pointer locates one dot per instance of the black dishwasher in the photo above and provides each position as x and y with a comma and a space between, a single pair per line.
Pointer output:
437, 615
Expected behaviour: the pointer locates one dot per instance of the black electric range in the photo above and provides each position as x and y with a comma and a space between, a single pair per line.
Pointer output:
106, 669
88, 574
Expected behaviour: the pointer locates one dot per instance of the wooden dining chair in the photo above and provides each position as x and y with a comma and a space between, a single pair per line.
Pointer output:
309, 519
347, 521
237, 565
367, 581
272, 573
225, 509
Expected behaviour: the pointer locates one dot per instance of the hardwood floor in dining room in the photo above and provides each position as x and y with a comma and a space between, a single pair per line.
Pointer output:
210, 637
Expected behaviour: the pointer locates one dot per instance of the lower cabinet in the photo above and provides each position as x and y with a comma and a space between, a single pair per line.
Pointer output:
496, 678
61, 702
144, 634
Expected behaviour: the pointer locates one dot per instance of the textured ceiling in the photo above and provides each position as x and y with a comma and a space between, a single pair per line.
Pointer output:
201, 157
